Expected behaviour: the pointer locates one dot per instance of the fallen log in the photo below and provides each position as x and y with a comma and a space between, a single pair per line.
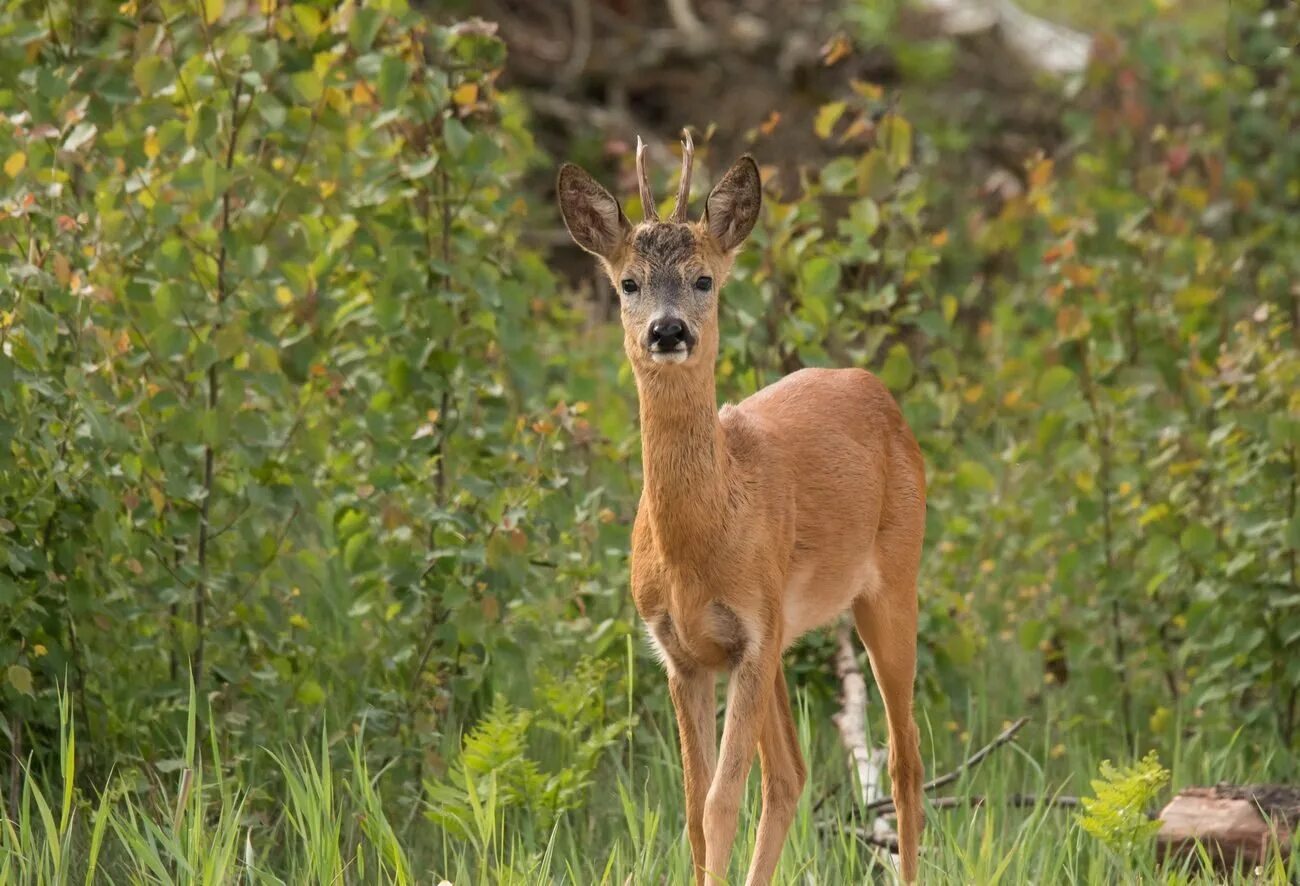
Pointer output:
1238, 825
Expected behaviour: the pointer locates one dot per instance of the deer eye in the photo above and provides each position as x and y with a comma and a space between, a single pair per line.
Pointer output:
630, 287
704, 284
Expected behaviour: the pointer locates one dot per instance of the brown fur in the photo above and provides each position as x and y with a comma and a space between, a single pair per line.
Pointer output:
757, 522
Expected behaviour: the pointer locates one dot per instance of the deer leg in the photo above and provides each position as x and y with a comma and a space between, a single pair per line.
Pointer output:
749, 695
784, 776
697, 729
887, 624
693, 698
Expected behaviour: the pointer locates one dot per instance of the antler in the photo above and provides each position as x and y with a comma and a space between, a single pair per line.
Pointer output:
647, 198
684, 189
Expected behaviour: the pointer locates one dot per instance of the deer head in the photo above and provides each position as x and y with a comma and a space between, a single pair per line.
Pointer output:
668, 273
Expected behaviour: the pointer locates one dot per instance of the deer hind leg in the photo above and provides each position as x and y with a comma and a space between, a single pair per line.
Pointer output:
784, 776
886, 622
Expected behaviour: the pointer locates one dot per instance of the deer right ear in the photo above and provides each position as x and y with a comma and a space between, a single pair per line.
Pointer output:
595, 220
732, 207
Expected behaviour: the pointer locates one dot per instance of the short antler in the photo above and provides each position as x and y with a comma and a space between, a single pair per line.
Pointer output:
643, 182
684, 189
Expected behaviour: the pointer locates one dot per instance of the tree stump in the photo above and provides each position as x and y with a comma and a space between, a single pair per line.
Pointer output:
1239, 825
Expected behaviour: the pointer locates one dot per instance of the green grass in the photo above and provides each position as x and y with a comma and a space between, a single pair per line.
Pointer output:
316, 813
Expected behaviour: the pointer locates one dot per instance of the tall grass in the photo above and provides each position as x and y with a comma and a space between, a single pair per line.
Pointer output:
320, 816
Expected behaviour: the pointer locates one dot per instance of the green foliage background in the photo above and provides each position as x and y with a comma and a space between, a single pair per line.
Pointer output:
291, 406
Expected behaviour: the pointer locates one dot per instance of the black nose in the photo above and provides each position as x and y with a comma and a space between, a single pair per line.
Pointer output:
667, 334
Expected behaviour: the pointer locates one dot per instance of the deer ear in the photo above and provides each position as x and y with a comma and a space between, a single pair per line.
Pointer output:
592, 215
732, 208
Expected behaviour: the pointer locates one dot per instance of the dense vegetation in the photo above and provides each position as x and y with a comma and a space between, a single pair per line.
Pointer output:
316, 481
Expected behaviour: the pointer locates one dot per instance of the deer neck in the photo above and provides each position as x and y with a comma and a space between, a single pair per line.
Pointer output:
684, 458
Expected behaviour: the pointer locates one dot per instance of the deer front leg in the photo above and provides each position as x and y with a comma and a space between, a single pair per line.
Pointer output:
748, 697
693, 700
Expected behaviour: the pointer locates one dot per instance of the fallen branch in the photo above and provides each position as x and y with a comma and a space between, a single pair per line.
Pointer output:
889, 840
883, 802
971, 762
1044, 46
852, 723
1015, 801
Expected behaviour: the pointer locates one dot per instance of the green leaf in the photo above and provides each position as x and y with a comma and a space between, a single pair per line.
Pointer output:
1192, 297
309, 20
1031, 633
308, 86
1198, 540
456, 136
150, 74
365, 26
971, 475
1053, 382
212, 10
819, 276
393, 75
20, 679
837, 174
897, 371
310, 693
1293, 532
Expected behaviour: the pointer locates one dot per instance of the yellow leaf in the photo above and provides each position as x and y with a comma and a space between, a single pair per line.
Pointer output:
872, 91
212, 10
299, 621
338, 100
1194, 297
16, 163
1085, 482
896, 139
949, 308
836, 49
1040, 173
827, 116
283, 296
156, 499
465, 94
62, 270
151, 143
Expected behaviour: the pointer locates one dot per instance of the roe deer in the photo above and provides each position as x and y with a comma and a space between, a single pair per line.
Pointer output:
757, 522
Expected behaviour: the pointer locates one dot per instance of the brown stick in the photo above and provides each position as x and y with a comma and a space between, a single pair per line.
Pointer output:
1016, 801
971, 762
889, 840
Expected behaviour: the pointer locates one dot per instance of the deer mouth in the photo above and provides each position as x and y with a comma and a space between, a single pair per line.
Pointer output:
676, 354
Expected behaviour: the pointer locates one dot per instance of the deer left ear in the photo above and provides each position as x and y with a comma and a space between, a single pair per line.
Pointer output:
595, 220
732, 208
